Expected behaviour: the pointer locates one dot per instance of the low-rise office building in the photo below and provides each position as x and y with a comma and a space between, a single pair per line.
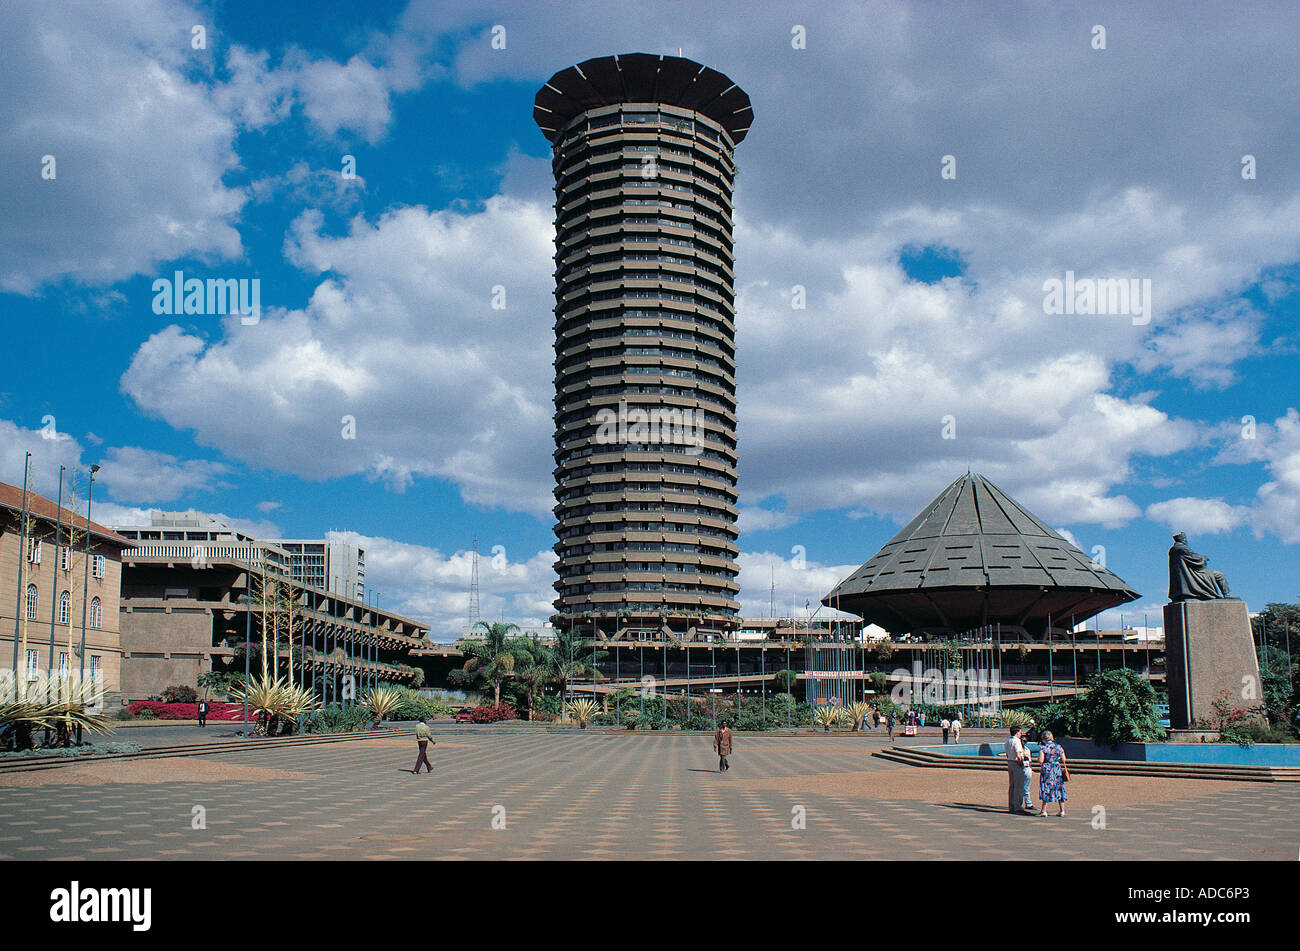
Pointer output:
60, 581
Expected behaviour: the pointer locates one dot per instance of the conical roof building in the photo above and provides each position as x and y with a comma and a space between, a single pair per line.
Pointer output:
975, 557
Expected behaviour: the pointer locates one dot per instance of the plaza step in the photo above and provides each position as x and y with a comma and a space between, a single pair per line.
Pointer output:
1100, 767
22, 764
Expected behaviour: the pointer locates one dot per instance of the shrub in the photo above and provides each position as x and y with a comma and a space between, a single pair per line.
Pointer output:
179, 693
155, 710
124, 714
492, 713
1119, 707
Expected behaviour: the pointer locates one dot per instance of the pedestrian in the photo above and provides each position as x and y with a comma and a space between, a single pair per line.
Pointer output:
1015, 772
890, 721
944, 725
423, 737
203, 713
956, 729
921, 719
722, 743
1027, 761
1052, 774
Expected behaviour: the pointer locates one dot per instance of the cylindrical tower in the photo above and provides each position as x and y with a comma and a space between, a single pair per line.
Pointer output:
645, 372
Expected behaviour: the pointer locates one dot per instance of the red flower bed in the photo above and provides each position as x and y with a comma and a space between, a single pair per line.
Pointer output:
217, 710
491, 714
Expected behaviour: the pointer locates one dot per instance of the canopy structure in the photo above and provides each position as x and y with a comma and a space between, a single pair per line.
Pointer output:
975, 557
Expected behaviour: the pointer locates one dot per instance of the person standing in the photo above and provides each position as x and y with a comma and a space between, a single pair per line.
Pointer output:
944, 725
423, 738
956, 729
1027, 762
1052, 774
722, 743
203, 713
1015, 772
889, 721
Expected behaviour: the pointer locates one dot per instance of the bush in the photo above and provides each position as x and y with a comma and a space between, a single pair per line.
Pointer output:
124, 714
156, 710
1119, 707
492, 713
179, 693
338, 719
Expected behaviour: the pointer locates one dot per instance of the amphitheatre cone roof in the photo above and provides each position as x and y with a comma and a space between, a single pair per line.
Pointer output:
975, 557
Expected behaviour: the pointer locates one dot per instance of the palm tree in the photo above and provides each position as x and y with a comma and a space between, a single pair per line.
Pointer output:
495, 657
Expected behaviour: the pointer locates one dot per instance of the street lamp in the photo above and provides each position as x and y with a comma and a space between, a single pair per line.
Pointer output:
247, 602
85, 583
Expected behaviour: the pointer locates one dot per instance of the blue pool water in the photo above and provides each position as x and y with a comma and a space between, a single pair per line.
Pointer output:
1215, 754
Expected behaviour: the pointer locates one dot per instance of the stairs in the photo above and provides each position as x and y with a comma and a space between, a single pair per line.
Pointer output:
912, 756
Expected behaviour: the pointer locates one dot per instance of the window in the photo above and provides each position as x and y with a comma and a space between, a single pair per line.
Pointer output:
65, 608
63, 665
95, 668
97, 565
65, 558
96, 614
33, 665
34, 550
33, 601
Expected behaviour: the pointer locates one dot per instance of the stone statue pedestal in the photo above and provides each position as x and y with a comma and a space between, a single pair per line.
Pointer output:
1208, 649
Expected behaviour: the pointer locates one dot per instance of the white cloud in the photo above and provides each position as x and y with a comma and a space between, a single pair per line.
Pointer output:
132, 474
424, 584
772, 586
401, 335
114, 93
1198, 516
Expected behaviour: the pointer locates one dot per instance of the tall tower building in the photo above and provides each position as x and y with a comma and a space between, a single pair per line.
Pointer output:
645, 372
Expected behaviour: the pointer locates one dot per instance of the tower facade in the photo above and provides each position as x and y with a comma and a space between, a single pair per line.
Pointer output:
645, 373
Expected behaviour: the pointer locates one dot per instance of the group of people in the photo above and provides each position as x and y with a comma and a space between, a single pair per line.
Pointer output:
1053, 774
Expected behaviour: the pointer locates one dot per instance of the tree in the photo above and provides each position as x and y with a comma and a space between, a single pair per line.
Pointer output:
1119, 707
495, 657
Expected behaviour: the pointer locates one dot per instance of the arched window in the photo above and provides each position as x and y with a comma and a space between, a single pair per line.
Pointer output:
65, 607
96, 614
33, 599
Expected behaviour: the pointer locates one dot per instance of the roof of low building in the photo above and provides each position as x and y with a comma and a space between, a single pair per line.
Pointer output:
975, 556
11, 497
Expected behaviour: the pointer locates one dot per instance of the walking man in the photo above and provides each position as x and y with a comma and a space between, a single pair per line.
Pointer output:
956, 729
889, 720
423, 738
944, 724
203, 713
722, 743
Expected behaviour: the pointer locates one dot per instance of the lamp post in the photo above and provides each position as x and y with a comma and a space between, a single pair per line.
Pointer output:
85, 583
247, 602
22, 557
54, 582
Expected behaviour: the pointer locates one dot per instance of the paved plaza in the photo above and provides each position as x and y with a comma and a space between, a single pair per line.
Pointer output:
615, 796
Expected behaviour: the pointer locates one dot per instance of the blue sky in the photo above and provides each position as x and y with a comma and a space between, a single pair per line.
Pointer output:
924, 293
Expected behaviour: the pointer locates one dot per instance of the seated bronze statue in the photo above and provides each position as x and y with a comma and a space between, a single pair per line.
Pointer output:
1189, 579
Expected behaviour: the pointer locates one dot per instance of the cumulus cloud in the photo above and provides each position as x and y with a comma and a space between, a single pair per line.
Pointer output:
434, 588
1198, 516
398, 367
113, 92
132, 474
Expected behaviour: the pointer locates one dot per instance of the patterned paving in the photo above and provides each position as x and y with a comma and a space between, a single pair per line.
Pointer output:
591, 796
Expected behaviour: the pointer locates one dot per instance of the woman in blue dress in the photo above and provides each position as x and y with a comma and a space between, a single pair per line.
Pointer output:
1051, 773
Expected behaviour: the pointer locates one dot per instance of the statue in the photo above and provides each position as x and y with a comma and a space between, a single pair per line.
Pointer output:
1189, 579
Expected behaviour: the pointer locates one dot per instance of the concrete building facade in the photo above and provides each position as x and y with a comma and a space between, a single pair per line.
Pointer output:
645, 373
47, 587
